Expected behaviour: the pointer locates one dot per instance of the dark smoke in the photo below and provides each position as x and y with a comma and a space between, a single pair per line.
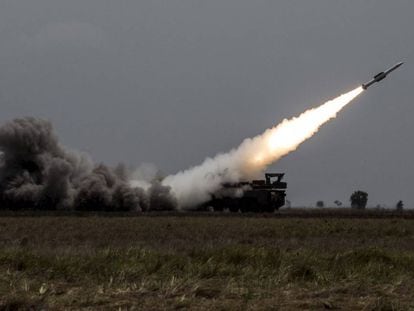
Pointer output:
36, 172
160, 197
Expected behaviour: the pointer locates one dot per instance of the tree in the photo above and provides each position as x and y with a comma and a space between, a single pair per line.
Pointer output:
359, 199
320, 204
400, 205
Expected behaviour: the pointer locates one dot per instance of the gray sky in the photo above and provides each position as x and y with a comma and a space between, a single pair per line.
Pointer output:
171, 82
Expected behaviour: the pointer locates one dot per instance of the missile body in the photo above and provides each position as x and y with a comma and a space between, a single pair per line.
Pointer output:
379, 76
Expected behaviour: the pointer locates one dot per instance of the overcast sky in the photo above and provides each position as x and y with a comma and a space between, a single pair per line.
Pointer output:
171, 82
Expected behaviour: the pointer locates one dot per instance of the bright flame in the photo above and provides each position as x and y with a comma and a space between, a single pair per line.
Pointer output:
289, 134
195, 185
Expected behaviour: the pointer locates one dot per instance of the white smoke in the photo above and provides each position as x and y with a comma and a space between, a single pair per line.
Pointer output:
143, 175
195, 185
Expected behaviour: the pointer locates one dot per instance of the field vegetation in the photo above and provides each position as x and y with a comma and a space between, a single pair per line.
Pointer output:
200, 263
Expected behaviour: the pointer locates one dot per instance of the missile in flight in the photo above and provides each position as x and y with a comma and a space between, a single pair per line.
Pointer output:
380, 76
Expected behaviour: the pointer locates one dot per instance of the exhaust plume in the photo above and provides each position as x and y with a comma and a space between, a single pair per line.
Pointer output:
195, 185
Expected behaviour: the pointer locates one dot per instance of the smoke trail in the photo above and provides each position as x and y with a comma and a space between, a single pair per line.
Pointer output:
195, 185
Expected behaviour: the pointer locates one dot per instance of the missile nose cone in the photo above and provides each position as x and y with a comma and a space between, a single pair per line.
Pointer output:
398, 65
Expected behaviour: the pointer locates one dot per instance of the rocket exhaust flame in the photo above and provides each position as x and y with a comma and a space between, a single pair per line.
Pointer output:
289, 134
194, 186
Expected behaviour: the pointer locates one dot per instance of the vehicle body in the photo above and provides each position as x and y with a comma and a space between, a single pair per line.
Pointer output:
257, 196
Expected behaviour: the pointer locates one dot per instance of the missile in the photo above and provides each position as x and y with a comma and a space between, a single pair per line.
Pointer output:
380, 76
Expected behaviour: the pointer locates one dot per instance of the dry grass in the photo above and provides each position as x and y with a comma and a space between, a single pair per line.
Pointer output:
222, 263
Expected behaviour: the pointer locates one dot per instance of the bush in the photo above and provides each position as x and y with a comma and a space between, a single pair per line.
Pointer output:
320, 204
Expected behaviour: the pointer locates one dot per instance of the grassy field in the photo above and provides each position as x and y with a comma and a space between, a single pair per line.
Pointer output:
204, 263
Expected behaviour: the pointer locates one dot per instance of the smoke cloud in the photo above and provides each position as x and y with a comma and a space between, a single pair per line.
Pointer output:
36, 172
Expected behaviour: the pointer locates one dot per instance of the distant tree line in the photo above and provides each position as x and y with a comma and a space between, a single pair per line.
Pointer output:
359, 200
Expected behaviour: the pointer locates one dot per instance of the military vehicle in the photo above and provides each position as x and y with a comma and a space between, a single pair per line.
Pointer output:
257, 196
